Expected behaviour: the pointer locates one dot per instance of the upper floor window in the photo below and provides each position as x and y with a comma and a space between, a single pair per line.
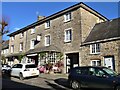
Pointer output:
21, 46
12, 38
47, 40
68, 35
47, 24
95, 48
67, 17
12, 48
32, 30
32, 44
21, 35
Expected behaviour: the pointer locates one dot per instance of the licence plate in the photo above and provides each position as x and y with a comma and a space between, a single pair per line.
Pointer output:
33, 73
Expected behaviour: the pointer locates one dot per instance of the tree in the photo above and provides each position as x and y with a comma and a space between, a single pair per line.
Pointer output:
3, 30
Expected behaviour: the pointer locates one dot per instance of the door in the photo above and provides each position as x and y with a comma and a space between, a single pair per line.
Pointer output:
99, 79
109, 62
72, 60
16, 69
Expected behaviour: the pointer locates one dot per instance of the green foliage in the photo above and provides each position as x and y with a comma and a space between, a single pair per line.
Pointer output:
60, 56
42, 54
20, 57
3, 59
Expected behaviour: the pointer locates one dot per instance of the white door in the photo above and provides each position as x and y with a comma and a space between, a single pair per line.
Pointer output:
108, 62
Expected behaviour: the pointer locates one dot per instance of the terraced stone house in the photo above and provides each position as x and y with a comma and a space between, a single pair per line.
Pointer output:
102, 46
56, 37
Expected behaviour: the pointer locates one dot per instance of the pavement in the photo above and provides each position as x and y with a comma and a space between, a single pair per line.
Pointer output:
53, 76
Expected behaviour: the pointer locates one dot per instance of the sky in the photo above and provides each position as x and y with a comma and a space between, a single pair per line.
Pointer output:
21, 14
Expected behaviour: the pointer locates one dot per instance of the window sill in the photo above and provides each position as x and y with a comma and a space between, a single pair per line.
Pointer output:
95, 53
47, 28
65, 21
47, 45
68, 41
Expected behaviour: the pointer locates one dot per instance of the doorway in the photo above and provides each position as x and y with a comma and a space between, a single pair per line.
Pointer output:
72, 60
109, 62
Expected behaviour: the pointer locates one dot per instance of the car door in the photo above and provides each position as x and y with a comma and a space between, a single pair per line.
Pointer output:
99, 79
13, 70
16, 69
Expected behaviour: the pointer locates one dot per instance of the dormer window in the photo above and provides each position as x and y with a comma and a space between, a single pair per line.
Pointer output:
32, 30
47, 24
67, 17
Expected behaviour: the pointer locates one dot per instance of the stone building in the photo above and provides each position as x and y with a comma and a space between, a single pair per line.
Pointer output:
5, 52
58, 35
102, 46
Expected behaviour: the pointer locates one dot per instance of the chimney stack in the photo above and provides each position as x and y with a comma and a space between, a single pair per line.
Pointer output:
40, 17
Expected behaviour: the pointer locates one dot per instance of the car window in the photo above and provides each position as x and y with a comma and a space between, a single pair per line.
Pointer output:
110, 72
82, 71
99, 72
17, 66
96, 72
91, 71
31, 66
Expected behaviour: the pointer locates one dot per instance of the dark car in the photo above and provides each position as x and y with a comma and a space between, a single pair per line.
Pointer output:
6, 68
93, 77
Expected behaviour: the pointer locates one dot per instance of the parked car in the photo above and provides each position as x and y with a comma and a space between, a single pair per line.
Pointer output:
6, 68
93, 77
24, 70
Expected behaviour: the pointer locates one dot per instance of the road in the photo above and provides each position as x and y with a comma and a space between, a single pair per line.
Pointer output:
34, 83
43, 82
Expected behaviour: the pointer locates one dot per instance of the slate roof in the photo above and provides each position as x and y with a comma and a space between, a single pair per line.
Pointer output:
41, 49
5, 44
108, 30
71, 8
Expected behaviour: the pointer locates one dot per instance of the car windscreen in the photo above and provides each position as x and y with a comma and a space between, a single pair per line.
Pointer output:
110, 72
31, 66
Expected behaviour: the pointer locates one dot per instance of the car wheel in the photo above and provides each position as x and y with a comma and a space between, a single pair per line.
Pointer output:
75, 85
117, 88
21, 76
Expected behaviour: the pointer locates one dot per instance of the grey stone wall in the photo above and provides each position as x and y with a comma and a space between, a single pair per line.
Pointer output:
107, 49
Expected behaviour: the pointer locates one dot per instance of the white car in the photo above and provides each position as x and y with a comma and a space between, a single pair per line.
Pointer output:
24, 70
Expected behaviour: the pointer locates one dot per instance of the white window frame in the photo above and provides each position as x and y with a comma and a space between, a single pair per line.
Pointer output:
94, 48
68, 36
46, 41
96, 62
47, 24
21, 46
21, 34
32, 44
12, 48
32, 30
13, 38
67, 17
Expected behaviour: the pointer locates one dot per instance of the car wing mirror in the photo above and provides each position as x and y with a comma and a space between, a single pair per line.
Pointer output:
105, 76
